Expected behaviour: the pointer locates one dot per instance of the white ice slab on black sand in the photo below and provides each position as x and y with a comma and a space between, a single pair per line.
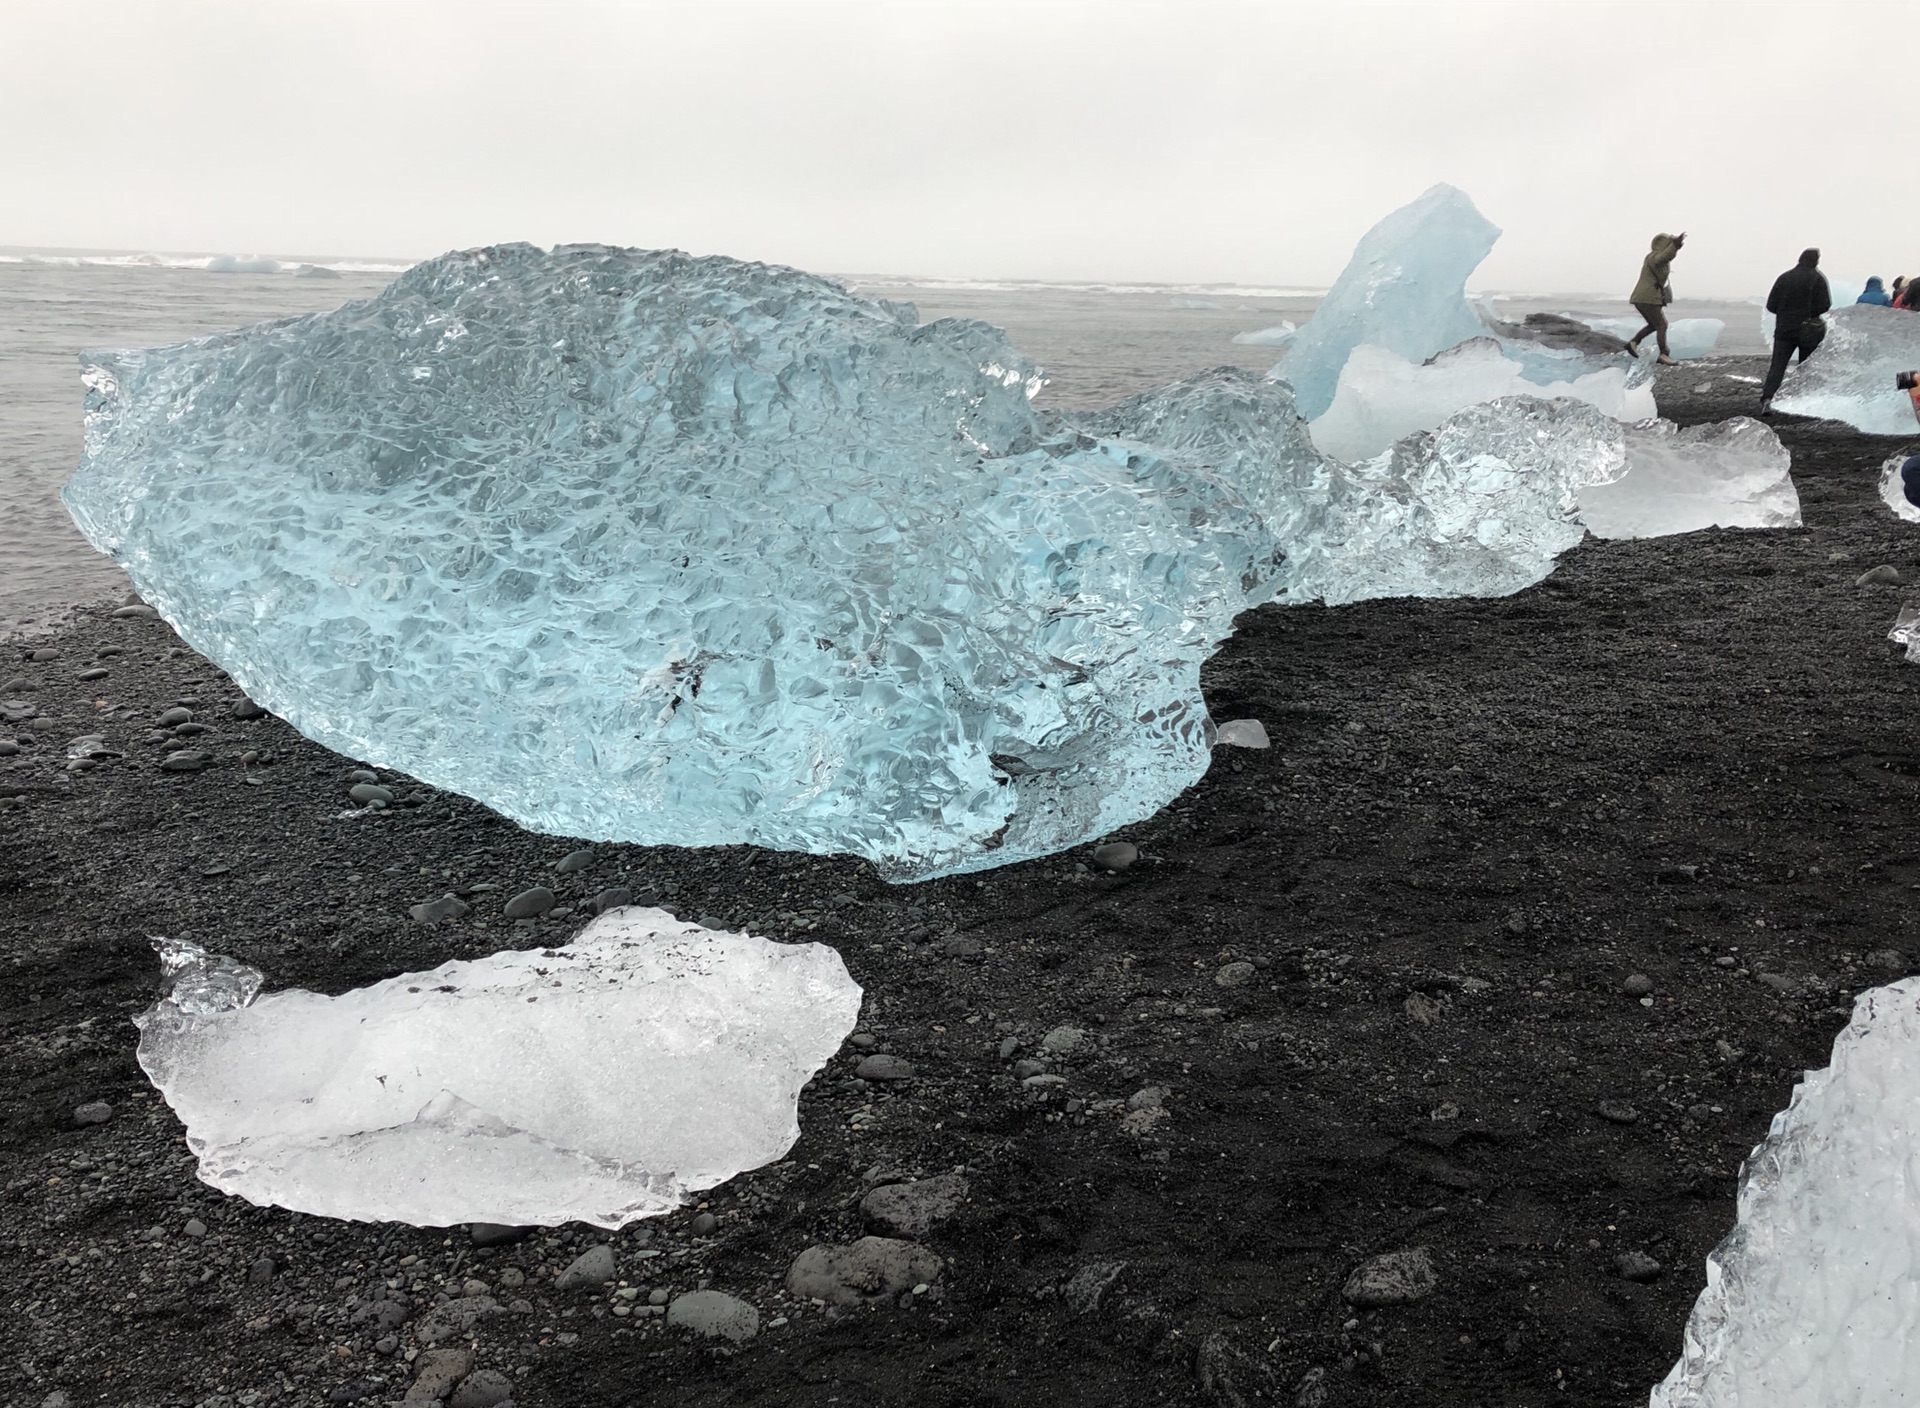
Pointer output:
601, 1081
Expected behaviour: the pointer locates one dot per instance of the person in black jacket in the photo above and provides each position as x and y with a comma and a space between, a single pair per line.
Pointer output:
1799, 298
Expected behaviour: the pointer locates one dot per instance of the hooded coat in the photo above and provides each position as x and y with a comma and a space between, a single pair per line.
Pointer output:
1799, 296
1653, 287
1875, 292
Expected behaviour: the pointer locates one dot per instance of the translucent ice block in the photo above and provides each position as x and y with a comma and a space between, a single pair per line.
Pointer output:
1729, 474
1813, 1300
1850, 377
601, 1081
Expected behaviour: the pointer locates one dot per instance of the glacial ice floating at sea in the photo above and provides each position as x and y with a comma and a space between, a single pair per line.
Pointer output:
1277, 336
601, 1081
1850, 378
634, 546
1813, 1300
1728, 474
1404, 289
1382, 396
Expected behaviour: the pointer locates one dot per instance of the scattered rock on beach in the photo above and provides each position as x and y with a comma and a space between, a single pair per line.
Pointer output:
715, 1315
530, 904
914, 1209
1395, 1278
883, 1067
1116, 855
93, 1112
593, 1267
869, 1270
1882, 576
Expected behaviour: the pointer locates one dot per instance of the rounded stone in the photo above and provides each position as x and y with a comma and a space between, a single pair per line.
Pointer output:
592, 1268
134, 613
613, 897
93, 1112
1116, 855
576, 860
96, 673
1396, 1278
1637, 985
1233, 975
483, 1388
247, 709
1062, 1040
883, 1067
715, 1315
530, 904
367, 792
195, 1227
171, 718
187, 760
704, 1224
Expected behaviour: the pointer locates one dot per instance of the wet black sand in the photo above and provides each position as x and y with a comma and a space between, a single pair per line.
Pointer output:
1692, 759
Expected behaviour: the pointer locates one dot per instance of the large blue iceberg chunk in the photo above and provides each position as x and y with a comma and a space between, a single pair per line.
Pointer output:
634, 545
1404, 289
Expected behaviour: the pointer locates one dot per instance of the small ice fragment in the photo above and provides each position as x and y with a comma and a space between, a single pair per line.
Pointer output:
1810, 1299
1729, 474
1906, 631
1243, 733
601, 1081
1893, 487
1404, 289
1850, 377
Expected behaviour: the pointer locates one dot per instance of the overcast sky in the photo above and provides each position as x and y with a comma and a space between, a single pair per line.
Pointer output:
1179, 142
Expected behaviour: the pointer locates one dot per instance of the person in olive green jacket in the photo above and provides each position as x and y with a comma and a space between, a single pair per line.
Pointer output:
1653, 293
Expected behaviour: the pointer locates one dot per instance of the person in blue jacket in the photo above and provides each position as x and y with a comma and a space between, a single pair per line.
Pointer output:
1876, 293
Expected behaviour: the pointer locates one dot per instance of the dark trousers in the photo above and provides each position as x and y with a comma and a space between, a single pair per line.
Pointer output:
1786, 341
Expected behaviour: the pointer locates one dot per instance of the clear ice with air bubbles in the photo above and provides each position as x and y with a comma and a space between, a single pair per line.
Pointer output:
1813, 1300
601, 1081
1851, 378
636, 546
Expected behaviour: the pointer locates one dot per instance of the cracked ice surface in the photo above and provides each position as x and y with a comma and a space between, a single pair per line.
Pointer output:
1893, 488
1730, 474
1850, 377
635, 546
1814, 1297
1404, 289
601, 1081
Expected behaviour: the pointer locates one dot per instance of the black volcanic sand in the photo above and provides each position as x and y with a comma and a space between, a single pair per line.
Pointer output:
1692, 759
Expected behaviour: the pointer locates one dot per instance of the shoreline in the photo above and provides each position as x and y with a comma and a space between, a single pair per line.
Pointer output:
1477, 820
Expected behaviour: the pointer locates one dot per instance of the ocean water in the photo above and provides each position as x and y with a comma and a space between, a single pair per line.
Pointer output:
1096, 342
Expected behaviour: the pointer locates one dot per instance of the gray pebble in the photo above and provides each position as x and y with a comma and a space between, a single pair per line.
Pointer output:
186, 760
715, 1315
1008, 1045
362, 775
134, 613
1395, 1278
382, 1315
1617, 1112
483, 1388
962, 946
658, 1296
1779, 982
864, 1040
434, 911
1152, 1097
19, 685
592, 1268
1233, 975
1026, 1068
613, 897
496, 1234
368, 792
178, 714
1116, 855
43, 654
1637, 1266
530, 904
1062, 1040
871, 1269
262, 1272
96, 673
8, 748
436, 1371
1883, 575
195, 1227
191, 730
1088, 1286
914, 1209
247, 709
1637, 985
704, 1223
576, 860
93, 1112
884, 1068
